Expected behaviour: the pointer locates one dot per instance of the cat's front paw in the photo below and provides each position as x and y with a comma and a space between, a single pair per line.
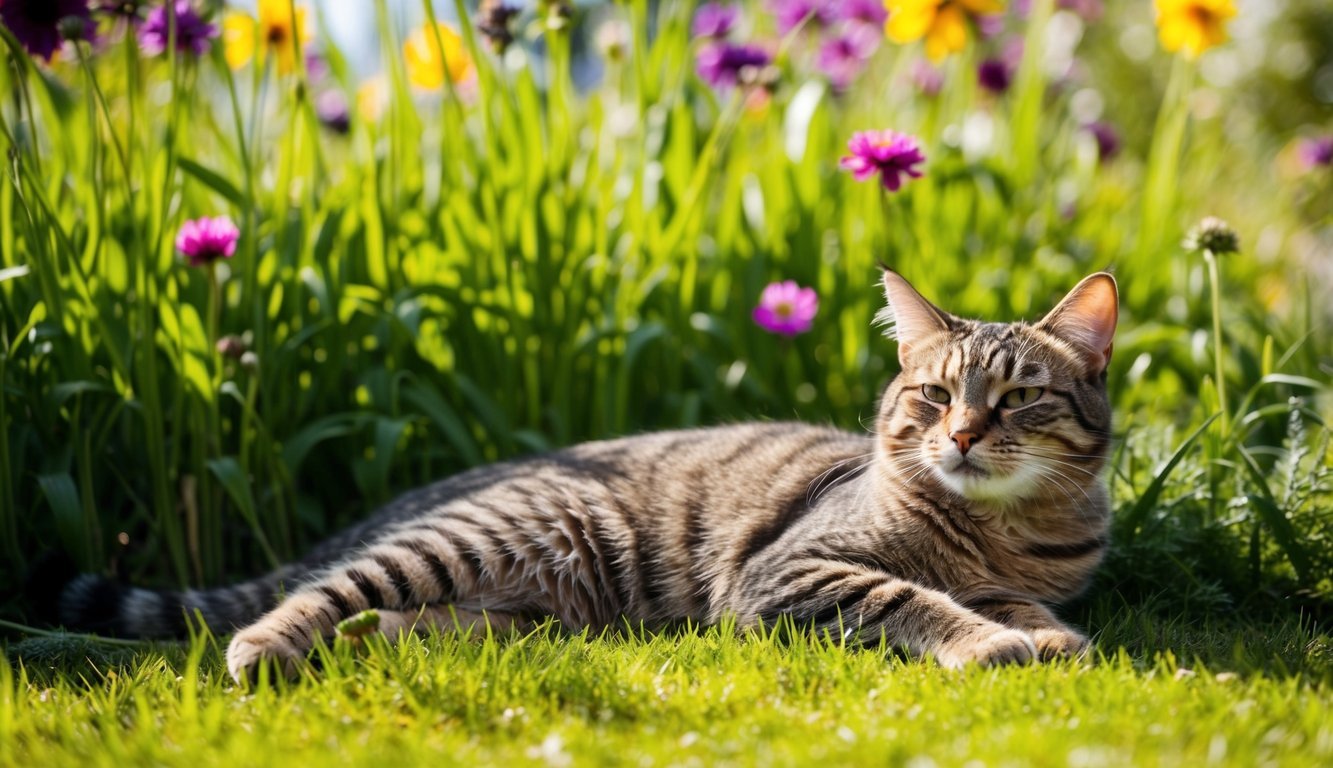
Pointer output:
1059, 644
988, 646
250, 649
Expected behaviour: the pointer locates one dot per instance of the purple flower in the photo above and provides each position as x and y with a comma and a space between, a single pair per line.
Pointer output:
205, 240
331, 106
36, 23
994, 75
1317, 152
842, 58
1108, 140
870, 13
791, 14
786, 308
714, 20
724, 65
928, 78
888, 153
193, 34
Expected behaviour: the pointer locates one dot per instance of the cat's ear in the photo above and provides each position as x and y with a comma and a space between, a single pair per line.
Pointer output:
1086, 319
909, 318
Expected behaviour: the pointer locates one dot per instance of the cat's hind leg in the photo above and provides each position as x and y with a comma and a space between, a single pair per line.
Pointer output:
406, 570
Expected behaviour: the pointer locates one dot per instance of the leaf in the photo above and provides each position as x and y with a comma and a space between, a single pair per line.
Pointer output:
296, 448
213, 180
425, 398
233, 478
1133, 520
62, 495
1275, 519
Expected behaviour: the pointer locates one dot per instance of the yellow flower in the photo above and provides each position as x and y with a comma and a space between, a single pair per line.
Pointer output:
277, 30
943, 23
372, 98
426, 67
1193, 26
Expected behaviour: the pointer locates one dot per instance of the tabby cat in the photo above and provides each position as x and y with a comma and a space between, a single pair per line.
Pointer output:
974, 504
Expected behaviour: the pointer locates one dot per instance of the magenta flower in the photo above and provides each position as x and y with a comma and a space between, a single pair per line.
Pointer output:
786, 308
36, 23
928, 78
714, 20
994, 75
1317, 152
843, 57
205, 240
331, 107
193, 34
870, 13
1108, 140
888, 153
724, 65
790, 14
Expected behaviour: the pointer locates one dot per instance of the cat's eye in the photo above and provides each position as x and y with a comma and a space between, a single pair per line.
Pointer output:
1017, 398
935, 394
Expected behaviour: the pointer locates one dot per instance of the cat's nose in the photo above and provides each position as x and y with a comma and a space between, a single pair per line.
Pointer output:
964, 440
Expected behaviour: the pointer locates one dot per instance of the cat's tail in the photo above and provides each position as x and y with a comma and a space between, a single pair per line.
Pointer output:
86, 602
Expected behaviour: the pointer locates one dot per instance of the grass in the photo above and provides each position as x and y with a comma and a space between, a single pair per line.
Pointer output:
1176, 694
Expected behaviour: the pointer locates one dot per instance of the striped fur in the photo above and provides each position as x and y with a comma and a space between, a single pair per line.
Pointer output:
901, 534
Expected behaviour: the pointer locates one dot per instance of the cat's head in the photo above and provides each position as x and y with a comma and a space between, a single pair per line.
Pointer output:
1000, 412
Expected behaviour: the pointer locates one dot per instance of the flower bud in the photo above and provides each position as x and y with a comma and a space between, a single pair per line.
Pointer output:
1212, 235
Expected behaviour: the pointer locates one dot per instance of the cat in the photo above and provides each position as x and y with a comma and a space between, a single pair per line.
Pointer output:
976, 502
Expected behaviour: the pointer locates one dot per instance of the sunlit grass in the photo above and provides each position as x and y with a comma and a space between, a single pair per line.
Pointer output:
690, 696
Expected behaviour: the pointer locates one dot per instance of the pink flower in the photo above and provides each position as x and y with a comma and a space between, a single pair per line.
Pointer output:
888, 153
786, 308
205, 240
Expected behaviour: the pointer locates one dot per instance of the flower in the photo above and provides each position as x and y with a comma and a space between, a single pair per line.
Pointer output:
928, 78
868, 12
277, 28
431, 59
842, 57
1317, 152
786, 308
36, 23
193, 34
1212, 235
1192, 26
205, 240
994, 75
331, 107
791, 14
888, 153
493, 20
612, 39
714, 20
724, 65
943, 23
1108, 140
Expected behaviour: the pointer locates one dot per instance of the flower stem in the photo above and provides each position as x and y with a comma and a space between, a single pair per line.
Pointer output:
1216, 290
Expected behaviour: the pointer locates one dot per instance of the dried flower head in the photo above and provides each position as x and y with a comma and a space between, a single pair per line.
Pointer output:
1212, 235
494, 19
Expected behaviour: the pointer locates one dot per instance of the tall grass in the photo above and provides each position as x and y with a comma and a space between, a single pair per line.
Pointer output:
515, 264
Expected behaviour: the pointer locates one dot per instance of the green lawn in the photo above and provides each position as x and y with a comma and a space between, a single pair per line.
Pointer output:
1157, 692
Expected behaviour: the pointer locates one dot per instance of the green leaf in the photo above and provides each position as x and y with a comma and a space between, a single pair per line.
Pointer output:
236, 482
213, 180
425, 398
1275, 519
296, 448
62, 495
1133, 520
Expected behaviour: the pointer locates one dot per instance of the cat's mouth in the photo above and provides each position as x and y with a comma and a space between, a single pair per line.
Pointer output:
962, 465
